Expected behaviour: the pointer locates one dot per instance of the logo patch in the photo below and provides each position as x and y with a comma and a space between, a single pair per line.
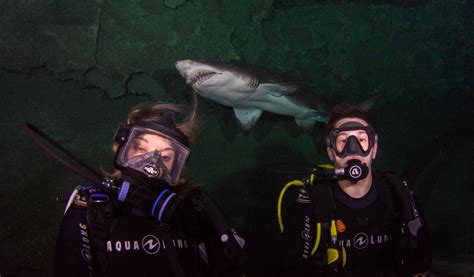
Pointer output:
86, 255
151, 170
306, 235
150, 244
355, 172
361, 240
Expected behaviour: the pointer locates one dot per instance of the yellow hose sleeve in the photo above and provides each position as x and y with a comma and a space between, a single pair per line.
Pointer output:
280, 199
317, 239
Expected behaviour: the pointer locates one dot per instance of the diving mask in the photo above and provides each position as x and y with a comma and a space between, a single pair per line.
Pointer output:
357, 143
151, 152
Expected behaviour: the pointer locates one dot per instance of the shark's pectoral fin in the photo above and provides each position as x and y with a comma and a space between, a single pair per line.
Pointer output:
308, 123
279, 89
247, 117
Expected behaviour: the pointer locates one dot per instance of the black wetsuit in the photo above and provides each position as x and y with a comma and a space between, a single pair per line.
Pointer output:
136, 245
371, 238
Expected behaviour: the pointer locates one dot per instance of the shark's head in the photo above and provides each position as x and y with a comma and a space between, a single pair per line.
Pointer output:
207, 75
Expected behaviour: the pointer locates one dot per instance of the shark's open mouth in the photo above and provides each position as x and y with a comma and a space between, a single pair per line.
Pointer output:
199, 77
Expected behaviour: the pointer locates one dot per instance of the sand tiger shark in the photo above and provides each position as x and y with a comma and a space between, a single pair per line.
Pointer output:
250, 89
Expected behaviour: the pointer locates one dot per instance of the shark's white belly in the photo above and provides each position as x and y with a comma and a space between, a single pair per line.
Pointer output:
229, 95
279, 105
227, 98
250, 98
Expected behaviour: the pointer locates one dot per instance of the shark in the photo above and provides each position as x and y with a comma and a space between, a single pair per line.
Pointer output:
251, 89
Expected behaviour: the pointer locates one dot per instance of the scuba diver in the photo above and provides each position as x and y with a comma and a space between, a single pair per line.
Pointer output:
147, 218
349, 220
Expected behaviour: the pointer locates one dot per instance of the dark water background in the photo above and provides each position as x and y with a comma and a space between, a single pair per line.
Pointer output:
75, 68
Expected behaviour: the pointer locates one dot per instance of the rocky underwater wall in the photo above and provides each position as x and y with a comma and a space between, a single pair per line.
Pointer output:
75, 68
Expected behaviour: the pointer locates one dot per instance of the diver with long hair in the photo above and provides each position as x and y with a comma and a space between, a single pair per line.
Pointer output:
148, 218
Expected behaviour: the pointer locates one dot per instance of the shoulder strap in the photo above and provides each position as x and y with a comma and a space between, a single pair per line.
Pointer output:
324, 208
398, 189
384, 190
410, 216
322, 201
101, 218
414, 252
171, 252
231, 243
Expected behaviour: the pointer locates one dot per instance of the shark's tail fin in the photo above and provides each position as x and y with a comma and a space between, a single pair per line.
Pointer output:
317, 116
307, 124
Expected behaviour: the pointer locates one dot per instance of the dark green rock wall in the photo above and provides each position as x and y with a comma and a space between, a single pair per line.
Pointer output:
75, 68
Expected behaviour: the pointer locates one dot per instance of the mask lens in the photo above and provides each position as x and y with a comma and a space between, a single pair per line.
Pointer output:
153, 154
363, 139
352, 138
167, 157
360, 136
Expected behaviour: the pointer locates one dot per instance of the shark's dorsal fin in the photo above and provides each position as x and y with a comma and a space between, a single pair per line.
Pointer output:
247, 117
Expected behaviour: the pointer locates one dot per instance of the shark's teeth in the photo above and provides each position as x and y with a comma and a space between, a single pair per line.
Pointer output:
199, 77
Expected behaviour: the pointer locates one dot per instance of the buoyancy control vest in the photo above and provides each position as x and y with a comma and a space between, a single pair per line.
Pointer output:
325, 252
104, 198
103, 213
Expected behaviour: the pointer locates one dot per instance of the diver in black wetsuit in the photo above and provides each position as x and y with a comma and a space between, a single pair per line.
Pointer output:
352, 221
148, 219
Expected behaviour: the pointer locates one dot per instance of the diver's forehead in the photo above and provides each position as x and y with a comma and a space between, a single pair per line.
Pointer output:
154, 140
352, 132
350, 119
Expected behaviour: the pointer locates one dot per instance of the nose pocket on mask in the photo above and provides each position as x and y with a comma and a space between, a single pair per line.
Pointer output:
152, 170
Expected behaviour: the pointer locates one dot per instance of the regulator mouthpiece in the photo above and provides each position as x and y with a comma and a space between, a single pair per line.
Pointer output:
354, 172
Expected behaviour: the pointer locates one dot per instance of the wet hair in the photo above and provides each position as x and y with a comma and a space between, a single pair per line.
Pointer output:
159, 111
347, 110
